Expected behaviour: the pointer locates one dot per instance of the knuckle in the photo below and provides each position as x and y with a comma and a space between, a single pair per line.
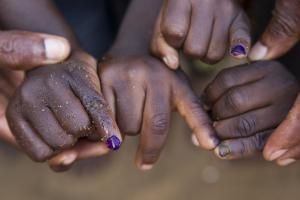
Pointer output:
245, 126
225, 79
173, 32
160, 123
213, 57
259, 141
26, 94
194, 51
234, 100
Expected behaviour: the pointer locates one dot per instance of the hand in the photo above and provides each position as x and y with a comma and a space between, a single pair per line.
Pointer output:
25, 50
283, 145
58, 104
203, 29
143, 93
247, 103
282, 33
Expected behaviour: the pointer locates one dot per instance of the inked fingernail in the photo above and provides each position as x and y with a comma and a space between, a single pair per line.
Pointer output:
223, 150
258, 52
277, 154
286, 162
113, 142
238, 51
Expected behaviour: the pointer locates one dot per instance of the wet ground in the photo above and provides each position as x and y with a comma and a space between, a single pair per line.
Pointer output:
183, 173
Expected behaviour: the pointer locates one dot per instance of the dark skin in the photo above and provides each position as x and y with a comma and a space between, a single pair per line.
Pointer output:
204, 30
143, 93
57, 104
282, 33
246, 110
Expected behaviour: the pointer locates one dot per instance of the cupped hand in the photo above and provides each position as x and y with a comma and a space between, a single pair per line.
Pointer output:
203, 29
58, 104
143, 92
247, 103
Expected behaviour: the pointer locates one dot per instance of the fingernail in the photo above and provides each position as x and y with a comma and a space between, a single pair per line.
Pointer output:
286, 162
57, 49
171, 61
195, 140
223, 150
113, 142
145, 167
238, 51
67, 160
258, 52
277, 154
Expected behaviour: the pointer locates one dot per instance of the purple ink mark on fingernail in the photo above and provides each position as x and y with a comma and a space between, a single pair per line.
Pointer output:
113, 142
238, 51
224, 150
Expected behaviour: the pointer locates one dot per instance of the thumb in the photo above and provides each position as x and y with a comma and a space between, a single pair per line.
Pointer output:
24, 50
282, 33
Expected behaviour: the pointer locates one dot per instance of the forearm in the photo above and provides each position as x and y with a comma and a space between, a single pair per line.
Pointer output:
137, 28
37, 16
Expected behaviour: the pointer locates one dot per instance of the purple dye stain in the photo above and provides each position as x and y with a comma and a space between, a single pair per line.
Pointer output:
238, 51
113, 142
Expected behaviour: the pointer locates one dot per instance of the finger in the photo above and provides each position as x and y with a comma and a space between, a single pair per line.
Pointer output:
155, 128
82, 150
198, 38
282, 33
227, 79
162, 49
240, 38
45, 124
28, 139
250, 123
130, 106
175, 22
70, 113
25, 50
291, 156
108, 94
285, 136
5, 133
243, 147
239, 100
100, 114
190, 107
219, 41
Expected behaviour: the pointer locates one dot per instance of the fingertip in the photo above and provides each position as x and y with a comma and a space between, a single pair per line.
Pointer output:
57, 49
171, 61
63, 161
258, 52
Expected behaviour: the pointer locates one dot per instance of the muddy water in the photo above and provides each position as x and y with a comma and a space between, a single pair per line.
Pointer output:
183, 173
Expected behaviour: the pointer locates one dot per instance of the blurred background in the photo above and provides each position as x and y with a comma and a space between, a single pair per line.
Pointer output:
183, 171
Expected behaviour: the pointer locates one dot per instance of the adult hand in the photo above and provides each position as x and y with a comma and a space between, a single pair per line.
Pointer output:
282, 33
284, 144
26, 50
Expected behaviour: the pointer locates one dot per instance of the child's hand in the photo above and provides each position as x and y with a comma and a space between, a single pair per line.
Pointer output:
248, 102
204, 29
57, 104
143, 93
